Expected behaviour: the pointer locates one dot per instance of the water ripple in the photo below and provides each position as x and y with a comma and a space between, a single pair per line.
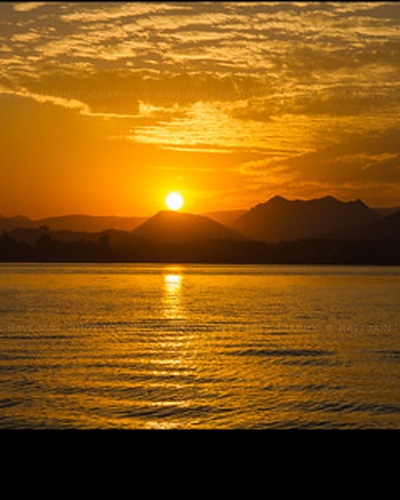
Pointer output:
281, 352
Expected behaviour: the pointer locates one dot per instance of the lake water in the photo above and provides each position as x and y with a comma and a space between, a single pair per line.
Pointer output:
134, 346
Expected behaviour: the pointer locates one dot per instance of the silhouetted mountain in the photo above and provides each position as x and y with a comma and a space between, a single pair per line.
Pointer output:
225, 217
9, 223
320, 231
86, 223
90, 223
174, 227
282, 220
386, 228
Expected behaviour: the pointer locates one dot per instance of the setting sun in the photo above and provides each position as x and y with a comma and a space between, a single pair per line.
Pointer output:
174, 201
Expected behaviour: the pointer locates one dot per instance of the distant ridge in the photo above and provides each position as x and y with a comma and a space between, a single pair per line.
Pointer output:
280, 219
9, 223
177, 237
92, 223
176, 227
85, 223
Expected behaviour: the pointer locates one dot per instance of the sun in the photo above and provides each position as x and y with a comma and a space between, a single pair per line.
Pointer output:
174, 201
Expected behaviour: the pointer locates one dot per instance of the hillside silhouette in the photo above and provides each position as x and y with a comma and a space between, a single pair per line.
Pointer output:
276, 219
321, 231
282, 220
176, 227
90, 223
87, 223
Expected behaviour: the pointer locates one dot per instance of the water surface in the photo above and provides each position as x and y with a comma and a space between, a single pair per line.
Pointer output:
199, 346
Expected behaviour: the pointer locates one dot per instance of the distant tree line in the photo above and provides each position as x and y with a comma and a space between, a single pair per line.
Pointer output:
48, 249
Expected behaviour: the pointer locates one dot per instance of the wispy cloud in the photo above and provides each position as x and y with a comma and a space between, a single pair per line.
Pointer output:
57, 101
27, 6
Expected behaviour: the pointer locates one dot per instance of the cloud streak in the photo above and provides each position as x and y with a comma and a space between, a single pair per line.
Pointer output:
27, 6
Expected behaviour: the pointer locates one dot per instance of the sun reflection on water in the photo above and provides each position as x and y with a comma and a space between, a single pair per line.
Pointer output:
172, 300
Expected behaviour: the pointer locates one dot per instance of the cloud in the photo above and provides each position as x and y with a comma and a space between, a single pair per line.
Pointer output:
27, 6
109, 11
72, 104
358, 159
299, 83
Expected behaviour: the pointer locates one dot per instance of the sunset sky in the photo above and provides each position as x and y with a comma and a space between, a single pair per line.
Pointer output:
106, 107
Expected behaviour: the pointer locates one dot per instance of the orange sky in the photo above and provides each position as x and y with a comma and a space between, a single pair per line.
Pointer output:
105, 107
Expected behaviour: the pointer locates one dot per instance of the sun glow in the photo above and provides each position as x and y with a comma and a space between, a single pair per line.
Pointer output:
174, 201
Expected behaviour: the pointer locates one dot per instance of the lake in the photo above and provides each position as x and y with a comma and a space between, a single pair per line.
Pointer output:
143, 346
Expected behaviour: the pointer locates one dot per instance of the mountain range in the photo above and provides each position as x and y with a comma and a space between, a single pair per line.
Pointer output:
280, 219
277, 220
86, 223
